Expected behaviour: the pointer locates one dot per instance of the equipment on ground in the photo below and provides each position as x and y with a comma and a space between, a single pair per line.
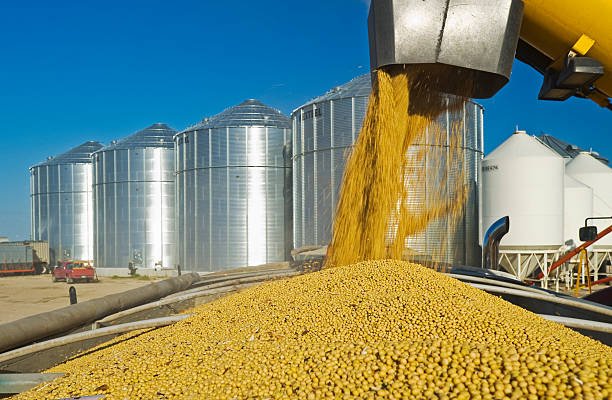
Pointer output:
28, 257
74, 271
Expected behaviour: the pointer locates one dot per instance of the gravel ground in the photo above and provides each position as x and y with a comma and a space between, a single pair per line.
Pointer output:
22, 296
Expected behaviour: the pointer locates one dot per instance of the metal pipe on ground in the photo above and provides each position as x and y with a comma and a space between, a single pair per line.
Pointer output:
81, 336
40, 326
594, 326
580, 305
199, 290
476, 279
239, 280
211, 279
17, 383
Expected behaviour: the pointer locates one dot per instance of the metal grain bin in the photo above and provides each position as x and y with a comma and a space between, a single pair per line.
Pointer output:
324, 131
230, 183
133, 186
61, 203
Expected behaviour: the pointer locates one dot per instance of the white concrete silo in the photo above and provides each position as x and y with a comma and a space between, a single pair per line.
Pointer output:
523, 179
578, 205
589, 171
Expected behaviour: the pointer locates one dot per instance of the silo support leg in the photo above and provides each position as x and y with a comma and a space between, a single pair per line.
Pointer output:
545, 281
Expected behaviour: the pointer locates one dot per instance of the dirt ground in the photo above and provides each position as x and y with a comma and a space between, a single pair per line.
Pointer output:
22, 296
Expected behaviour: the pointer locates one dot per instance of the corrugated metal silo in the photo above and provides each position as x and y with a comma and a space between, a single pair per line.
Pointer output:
324, 131
231, 175
133, 186
61, 203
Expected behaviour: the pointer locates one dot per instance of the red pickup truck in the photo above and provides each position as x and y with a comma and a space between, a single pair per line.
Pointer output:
73, 271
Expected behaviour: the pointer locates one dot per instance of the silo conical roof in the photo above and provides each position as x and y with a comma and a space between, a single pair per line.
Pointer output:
522, 145
248, 113
586, 163
79, 154
356, 87
156, 135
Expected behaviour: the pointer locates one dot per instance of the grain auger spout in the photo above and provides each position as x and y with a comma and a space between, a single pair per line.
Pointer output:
453, 41
467, 47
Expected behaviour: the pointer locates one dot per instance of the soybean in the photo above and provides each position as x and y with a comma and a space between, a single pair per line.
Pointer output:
373, 330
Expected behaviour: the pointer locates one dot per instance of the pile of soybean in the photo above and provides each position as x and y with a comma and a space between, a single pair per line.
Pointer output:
378, 329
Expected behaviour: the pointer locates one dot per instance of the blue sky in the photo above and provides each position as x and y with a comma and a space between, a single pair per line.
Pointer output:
72, 71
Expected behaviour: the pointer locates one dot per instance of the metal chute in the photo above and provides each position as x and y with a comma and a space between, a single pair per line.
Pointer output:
454, 41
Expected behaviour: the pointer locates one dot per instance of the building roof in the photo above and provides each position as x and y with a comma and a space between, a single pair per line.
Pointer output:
567, 150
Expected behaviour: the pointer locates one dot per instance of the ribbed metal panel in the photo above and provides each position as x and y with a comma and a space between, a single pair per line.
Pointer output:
230, 180
133, 186
61, 203
324, 131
